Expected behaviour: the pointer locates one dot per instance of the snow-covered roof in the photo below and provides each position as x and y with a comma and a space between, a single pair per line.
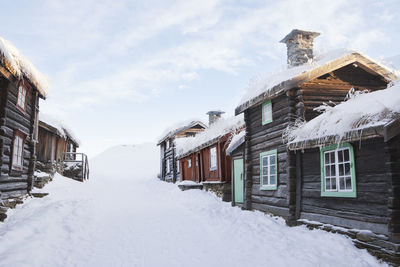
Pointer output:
179, 127
209, 136
61, 129
19, 66
349, 120
236, 141
269, 85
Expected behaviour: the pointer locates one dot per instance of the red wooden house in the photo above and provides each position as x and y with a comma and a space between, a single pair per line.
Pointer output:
203, 158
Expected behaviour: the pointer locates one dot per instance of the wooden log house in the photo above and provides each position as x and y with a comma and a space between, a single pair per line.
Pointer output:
169, 169
203, 159
21, 86
53, 143
272, 171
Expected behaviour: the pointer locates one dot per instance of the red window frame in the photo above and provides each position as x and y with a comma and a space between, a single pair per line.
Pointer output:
21, 135
24, 85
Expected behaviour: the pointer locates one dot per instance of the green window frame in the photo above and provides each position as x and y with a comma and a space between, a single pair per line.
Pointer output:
266, 109
269, 170
338, 175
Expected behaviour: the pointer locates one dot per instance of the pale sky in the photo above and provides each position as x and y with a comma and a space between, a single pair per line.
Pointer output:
120, 72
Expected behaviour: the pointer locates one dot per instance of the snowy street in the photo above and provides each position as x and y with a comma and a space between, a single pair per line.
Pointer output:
125, 216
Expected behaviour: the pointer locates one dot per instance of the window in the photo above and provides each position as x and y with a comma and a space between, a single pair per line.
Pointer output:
267, 112
269, 170
213, 158
177, 165
338, 177
21, 100
189, 163
167, 166
18, 151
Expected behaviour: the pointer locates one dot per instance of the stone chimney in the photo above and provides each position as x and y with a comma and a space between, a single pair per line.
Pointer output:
299, 47
214, 115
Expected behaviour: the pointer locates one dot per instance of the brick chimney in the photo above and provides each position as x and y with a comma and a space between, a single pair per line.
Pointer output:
214, 115
299, 46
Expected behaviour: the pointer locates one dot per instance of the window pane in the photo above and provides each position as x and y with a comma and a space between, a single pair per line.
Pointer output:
341, 184
327, 158
341, 169
265, 179
327, 184
347, 169
265, 161
265, 171
340, 155
272, 159
333, 184
348, 183
346, 154
333, 170
327, 171
272, 169
272, 180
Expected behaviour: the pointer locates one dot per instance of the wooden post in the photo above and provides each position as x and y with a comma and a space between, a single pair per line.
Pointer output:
32, 142
291, 161
248, 177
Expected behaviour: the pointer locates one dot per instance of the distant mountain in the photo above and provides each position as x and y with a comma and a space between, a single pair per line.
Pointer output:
127, 162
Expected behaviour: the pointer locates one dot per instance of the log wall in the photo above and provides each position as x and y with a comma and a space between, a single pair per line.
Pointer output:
15, 183
369, 210
261, 138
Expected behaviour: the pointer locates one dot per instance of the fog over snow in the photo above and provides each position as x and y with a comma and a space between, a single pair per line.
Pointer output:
125, 216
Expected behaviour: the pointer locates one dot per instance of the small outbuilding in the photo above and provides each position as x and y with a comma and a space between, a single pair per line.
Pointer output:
169, 169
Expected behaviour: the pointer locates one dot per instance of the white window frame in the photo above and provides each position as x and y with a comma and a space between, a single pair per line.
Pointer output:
21, 98
213, 158
168, 168
18, 152
177, 166
271, 170
333, 170
189, 161
266, 112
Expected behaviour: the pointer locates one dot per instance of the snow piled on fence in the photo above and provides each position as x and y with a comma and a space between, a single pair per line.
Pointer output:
18, 65
218, 129
177, 127
360, 111
130, 218
63, 130
263, 83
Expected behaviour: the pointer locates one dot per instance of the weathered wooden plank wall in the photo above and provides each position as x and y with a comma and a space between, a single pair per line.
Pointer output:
261, 138
15, 183
369, 209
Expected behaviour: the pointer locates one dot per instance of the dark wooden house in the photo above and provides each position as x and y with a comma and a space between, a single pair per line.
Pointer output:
54, 142
169, 169
21, 86
272, 171
203, 159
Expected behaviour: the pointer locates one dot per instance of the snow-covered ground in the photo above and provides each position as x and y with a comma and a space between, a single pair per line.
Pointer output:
124, 216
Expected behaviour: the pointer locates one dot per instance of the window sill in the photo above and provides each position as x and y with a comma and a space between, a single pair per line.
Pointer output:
266, 122
339, 194
270, 187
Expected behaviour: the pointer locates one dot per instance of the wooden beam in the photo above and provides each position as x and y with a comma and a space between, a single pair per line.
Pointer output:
391, 130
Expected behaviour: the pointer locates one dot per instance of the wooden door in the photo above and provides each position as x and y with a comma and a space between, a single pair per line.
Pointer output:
238, 180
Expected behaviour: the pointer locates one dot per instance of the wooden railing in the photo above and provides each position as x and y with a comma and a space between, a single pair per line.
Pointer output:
82, 158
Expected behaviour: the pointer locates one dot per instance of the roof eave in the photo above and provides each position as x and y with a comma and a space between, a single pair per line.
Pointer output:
314, 73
